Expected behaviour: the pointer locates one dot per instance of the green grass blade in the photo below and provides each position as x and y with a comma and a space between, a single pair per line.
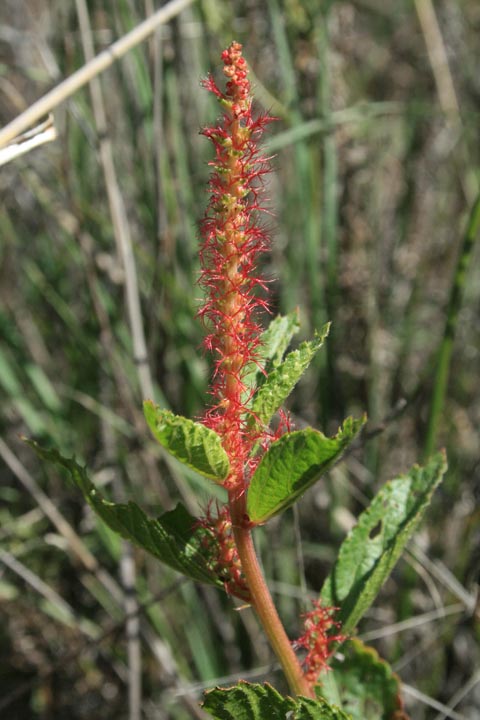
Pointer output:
453, 310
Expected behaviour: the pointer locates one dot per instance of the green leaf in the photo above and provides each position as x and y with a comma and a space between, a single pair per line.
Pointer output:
273, 345
281, 381
372, 548
175, 537
363, 684
192, 443
291, 465
248, 701
276, 339
308, 709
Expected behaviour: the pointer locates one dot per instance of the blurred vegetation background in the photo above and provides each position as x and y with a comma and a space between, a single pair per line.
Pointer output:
374, 199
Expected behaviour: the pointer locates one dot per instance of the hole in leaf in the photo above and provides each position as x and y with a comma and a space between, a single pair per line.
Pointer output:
375, 530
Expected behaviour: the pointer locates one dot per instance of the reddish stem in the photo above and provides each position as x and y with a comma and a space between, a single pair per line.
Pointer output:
263, 603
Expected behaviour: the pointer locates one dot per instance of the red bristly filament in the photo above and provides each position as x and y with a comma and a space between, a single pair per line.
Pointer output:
318, 639
223, 556
232, 242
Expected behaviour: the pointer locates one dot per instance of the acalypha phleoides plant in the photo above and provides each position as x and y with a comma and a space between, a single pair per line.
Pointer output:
244, 442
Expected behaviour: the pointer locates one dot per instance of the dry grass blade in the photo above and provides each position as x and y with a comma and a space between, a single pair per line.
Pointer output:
41, 587
90, 70
117, 212
37, 136
427, 700
413, 622
438, 570
438, 58
460, 695
49, 509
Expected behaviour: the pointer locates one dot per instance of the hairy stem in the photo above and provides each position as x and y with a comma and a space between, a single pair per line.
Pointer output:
263, 603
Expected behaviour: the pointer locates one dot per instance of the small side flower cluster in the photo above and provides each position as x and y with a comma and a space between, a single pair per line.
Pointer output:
221, 548
318, 639
232, 242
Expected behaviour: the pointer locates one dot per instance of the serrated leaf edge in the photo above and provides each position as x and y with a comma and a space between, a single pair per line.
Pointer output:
268, 387
345, 435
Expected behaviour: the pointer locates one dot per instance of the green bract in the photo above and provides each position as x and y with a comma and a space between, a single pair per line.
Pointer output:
192, 443
276, 339
283, 378
372, 548
272, 347
293, 464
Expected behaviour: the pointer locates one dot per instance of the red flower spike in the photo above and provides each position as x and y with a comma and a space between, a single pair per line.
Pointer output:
222, 551
232, 241
318, 639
